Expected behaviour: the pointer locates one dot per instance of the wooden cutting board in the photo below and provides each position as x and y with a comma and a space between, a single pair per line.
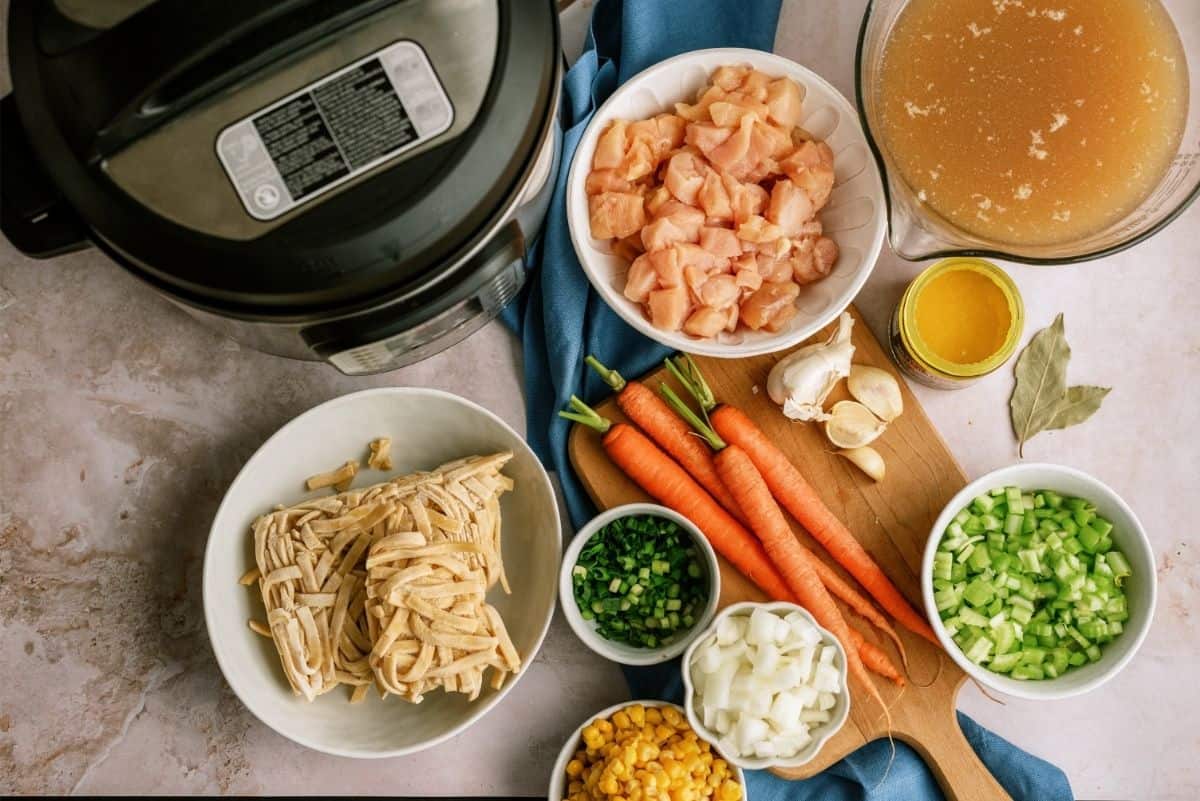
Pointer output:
892, 519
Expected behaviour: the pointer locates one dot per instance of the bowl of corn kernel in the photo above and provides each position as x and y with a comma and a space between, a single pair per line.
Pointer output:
643, 750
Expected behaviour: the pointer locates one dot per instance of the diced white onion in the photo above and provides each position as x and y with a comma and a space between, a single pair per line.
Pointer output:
763, 681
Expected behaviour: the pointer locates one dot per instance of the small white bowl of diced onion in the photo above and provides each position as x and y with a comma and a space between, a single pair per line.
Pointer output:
767, 684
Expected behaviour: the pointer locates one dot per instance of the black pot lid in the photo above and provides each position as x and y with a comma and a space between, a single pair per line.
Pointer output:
282, 157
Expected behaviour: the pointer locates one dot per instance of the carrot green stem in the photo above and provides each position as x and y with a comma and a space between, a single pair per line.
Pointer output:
688, 374
610, 377
585, 415
693, 419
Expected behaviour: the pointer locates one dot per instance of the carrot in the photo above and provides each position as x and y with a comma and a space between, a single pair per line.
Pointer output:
649, 413
874, 658
794, 561
803, 503
842, 590
670, 485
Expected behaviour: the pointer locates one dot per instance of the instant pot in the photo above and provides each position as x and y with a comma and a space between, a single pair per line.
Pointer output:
354, 181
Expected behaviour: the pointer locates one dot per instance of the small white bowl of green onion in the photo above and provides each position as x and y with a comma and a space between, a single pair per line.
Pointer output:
638, 583
1039, 581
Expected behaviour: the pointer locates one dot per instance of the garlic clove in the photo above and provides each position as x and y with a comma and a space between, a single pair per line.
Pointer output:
866, 459
852, 425
876, 389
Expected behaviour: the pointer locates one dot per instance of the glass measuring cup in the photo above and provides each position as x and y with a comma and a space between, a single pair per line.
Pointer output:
917, 232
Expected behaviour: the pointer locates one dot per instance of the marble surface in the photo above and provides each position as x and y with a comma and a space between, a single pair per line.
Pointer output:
122, 421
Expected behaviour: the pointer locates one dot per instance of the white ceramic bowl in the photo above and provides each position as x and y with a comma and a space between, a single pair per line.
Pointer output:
820, 734
427, 428
586, 629
855, 217
1127, 535
558, 779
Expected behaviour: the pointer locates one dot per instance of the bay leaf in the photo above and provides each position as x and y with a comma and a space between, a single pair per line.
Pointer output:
1041, 386
1079, 404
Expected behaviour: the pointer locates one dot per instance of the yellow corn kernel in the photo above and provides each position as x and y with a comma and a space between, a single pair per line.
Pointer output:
647, 752
592, 738
574, 767
713, 779
674, 770
706, 758
621, 719
619, 798
671, 715
604, 726
575, 787
663, 732
653, 715
608, 785
635, 794
720, 767
637, 715
729, 791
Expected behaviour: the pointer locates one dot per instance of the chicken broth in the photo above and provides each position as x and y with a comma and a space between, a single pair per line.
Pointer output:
1033, 123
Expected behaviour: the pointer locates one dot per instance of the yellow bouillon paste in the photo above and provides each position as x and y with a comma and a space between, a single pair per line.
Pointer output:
963, 316
959, 320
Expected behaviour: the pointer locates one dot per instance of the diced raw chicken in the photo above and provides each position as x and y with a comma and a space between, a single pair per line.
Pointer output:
640, 280
790, 207
732, 320
610, 147
735, 156
685, 176
755, 85
713, 197
706, 137
720, 242
719, 291
671, 128
758, 229
748, 280
656, 199
745, 200
784, 102
747, 261
774, 270
825, 255
616, 214
662, 233
669, 307
812, 228
761, 308
776, 248
701, 258
668, 266
694, 278
606, 181
688, 218
771, 140
699, 111
729, 77
728, 113
706, 322
628, 248
781, 318
811, 167
639, 161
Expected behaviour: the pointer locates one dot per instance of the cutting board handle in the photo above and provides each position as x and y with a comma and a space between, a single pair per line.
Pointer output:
947, 753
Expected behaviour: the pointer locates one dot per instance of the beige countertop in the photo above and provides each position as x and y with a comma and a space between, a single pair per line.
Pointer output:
122, 421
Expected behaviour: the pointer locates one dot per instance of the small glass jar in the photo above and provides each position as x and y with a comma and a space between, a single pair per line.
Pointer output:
919, 361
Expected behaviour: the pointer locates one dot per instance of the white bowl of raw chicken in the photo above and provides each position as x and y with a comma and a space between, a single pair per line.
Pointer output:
855, 216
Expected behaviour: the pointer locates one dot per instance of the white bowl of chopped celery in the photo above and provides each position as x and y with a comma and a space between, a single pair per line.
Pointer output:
1039, 581
639, 606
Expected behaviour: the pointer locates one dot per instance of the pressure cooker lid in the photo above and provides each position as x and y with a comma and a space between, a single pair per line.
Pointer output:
287, 156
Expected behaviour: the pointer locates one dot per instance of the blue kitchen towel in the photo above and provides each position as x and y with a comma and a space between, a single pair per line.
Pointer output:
560, 319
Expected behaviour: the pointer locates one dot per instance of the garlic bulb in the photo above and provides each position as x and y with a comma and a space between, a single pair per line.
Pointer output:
866, 459
801, 381
851, 425
876, 389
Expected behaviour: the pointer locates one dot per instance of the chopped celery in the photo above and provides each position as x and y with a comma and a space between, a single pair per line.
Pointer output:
1028, 583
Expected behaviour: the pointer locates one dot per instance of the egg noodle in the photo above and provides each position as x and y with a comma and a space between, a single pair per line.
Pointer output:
386, 584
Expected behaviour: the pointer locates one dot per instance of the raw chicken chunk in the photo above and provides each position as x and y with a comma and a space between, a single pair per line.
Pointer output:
763, 307
616, 214
669, 307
